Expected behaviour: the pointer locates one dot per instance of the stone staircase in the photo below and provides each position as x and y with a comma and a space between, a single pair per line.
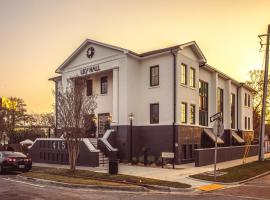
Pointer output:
102, 158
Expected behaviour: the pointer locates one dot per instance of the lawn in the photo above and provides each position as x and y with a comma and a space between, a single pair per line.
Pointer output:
95, 178
238, 173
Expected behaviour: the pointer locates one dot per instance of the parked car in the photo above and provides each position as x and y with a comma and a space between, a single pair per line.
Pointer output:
14, 161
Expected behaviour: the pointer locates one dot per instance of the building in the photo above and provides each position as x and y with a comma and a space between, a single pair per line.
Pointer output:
171, 92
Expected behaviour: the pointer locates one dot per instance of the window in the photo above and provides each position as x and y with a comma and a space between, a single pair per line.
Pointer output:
192, 77
89, 87
203, 103
192, 114
154, 75
233, 111
183, 74
183, 113
248, 123
154, 113
245, 123
104, 85
220, 101
247, 100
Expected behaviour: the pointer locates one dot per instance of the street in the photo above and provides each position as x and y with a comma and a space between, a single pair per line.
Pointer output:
11, 189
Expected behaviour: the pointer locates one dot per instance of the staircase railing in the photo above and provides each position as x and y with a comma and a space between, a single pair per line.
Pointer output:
106, 147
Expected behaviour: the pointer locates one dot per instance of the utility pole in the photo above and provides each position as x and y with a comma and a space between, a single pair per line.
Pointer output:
265, 83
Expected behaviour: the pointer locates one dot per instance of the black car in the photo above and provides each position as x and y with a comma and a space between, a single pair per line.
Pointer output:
14, 161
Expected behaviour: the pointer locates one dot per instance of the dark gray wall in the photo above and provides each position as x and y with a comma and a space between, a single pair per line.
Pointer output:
43, 151
206, 156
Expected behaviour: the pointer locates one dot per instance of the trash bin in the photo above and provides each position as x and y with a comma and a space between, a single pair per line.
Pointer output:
113, 166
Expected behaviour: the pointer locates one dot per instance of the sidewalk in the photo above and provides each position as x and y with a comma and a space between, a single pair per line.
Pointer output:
180, 174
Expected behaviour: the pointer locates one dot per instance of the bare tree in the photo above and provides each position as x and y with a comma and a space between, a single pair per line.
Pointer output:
256, 82
72, 106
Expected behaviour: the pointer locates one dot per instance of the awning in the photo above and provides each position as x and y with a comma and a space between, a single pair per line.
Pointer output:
212, 136
237, 137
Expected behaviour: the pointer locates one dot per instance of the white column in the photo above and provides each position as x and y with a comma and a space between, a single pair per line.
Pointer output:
227, 105
115, 114
212, 104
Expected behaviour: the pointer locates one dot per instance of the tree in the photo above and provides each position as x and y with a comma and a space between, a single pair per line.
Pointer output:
256, 82
12, 114
72, 107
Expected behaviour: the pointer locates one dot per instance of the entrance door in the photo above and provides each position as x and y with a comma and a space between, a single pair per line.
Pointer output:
103, 123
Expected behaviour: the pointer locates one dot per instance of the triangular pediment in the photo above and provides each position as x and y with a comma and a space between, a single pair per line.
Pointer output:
192, 51
89, 51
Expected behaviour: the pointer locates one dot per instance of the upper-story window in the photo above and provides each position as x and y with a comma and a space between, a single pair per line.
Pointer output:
247, 100
89, 87
183, 113
183, 74
192, 114
232, 110
203, 103
220, 100
192, 77
104, 85
154, 75
154, 113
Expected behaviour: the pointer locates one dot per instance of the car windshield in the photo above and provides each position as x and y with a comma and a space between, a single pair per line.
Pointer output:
13, 154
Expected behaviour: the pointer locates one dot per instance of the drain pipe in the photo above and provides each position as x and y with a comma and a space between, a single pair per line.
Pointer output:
174, 104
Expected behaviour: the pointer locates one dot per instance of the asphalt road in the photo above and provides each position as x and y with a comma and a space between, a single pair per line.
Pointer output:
11, 189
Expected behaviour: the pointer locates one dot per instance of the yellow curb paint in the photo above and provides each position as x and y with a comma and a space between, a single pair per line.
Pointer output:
211, 187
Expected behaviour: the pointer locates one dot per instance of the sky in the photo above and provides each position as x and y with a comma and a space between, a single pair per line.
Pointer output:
36, 36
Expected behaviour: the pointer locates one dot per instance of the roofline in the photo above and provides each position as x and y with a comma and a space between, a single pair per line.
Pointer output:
138, 55
56, 78
225, 76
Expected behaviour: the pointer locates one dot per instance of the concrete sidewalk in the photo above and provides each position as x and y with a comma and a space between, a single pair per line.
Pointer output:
180, 174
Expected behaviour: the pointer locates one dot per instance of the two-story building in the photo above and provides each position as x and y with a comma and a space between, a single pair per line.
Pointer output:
171, 92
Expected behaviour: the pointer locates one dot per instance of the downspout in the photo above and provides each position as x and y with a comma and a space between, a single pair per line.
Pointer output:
174, 103
237, 110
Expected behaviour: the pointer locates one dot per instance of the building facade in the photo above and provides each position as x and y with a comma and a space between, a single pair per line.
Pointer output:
171, 92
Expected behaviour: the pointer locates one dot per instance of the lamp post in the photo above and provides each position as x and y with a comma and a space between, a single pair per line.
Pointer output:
131, 117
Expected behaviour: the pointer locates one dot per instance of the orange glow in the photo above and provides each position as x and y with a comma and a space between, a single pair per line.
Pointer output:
37, 36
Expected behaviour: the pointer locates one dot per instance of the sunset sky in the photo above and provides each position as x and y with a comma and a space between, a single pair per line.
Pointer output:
36, 36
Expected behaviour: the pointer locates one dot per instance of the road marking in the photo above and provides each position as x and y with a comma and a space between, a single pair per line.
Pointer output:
8, 179
211, 187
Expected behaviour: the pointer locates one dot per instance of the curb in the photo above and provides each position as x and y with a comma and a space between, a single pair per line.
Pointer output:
232, 183
139, 188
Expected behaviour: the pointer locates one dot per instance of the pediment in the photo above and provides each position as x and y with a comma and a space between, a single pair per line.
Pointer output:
89, 51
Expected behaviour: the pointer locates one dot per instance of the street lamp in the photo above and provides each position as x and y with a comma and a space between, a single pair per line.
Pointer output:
131, 117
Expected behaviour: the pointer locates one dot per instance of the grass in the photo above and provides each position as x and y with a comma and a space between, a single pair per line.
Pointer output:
96, 178
238, 173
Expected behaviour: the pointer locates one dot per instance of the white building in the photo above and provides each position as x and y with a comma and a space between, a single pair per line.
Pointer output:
172, 93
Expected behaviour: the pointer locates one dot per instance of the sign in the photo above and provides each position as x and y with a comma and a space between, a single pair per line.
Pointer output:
167, 154
90, 69
216, 116
218, 128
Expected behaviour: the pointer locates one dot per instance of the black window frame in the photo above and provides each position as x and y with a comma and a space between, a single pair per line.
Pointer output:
203, 103
245, 123
184, 120
233, 110
154, 113
89, 87
192, 114
192, 77
104, 85
220, 101
183, 66
154, 78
